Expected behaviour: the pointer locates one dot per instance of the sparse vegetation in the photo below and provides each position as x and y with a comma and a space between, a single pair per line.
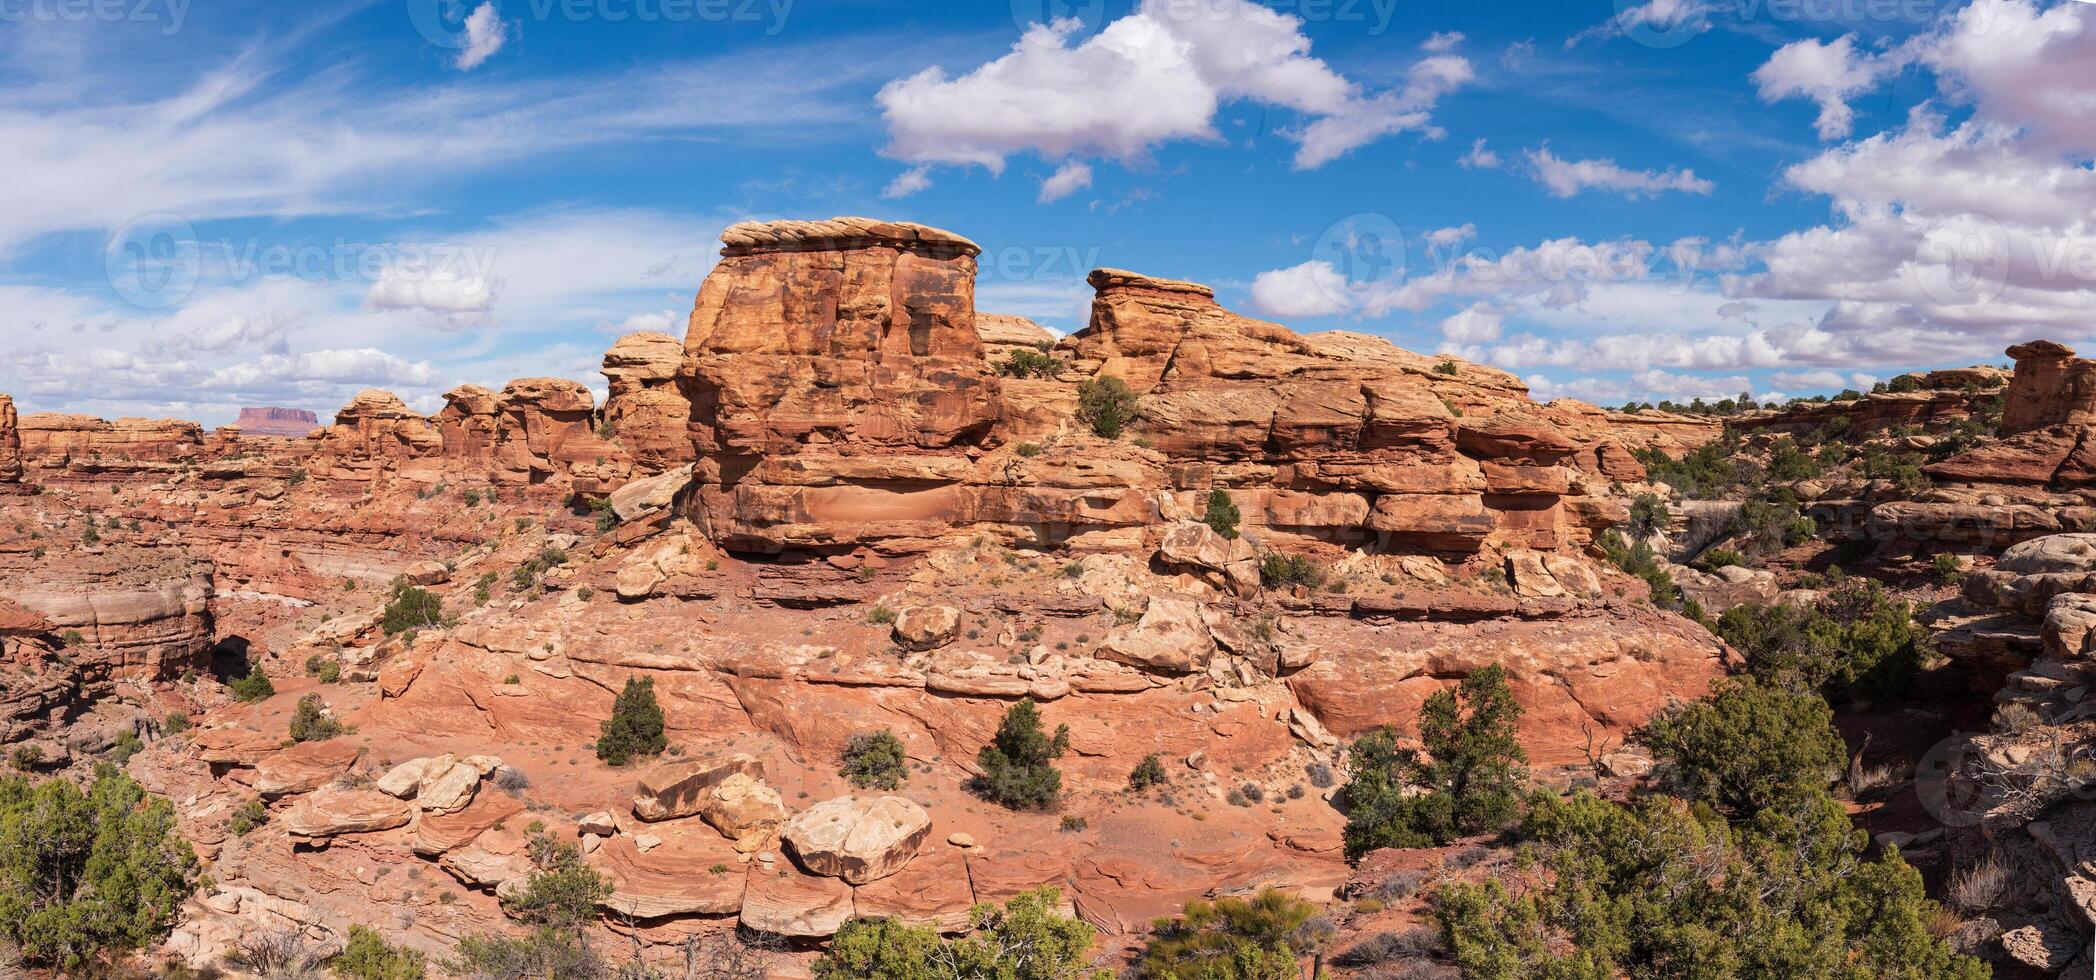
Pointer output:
1026, 363
1471, 772
1260, 938
1024, 940
411, 609
252, 686
875, 760
1222, 515
1855, 641
1147, 773
1105, 405
368, 956
1282, 571
635, 727
1018, 768
310, 721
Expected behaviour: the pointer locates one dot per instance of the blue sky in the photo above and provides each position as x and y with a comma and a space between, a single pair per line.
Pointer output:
231, 204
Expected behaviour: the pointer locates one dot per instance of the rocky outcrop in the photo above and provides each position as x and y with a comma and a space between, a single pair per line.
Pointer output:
1003, 334
10, 443
646, 412
682, 789
835, 377
288, 423
130, 613
89, 446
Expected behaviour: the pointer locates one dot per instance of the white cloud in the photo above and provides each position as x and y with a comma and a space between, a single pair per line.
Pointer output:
665, 321
1314, 288
1566, 178
1442, 41
451, 295
485, 35
1474, 325
1068, 179
1479, 158
908, 182
1829, 73
1155, 76
1662, 18
1449, 237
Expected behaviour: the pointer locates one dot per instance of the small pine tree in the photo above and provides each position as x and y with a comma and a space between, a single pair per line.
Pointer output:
413, 609
1017, 765
310, 723
252, 686
1222, 514
875, 760
1147, 773
1106, 405
1472, 771
635, 725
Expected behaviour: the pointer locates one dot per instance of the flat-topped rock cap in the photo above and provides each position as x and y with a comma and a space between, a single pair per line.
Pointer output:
1104, 278
2040, 349
838, 233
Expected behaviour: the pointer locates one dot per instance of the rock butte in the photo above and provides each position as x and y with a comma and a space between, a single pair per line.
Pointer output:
832, 438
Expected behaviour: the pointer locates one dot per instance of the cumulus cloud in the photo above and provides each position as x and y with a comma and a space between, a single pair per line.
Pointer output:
1314, 288
1474, 325
1155, 76
485, 35
665, 321
1827, 72
1479, 157
1068, 179
1664, 18
1450, 237
1567, 178
455, 296
911, 181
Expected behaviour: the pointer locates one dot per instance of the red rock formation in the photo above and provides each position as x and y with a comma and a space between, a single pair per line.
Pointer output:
2051, 387
646, 412
140, 614
90, 447
10, 443
289, 423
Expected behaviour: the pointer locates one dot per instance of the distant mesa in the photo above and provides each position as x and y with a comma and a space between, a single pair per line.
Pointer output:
292, 423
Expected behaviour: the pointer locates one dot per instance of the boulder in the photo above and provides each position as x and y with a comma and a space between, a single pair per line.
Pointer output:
447, 789
859, 839
793, 905
1229, 563
334, 810
1171, 637
681, 789
404, 780
639, 498
927, 627
747, 811
304, 767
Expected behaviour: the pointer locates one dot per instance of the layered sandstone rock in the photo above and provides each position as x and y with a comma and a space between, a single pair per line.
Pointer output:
289, 423
136, 613
91, 445
10, 443
858, 839
1003, 334
646, 411
835, 377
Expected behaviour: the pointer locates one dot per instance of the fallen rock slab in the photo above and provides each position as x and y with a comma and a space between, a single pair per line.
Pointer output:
858, 839
680, 789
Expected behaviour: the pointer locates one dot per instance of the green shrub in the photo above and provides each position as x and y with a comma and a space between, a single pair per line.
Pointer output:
1222, 514
1024, 940
1106, 405
87, 877
1018, 765
1261, 938
875, 760
176, 723
1748, 746
1717, 558
252, 686
1656, 888
1147, 773
1649, 516
127, 744
248, 816
1031, 364
310, 722
25, 758
558, 903
1637, 558
1028, 450
1448, 368
325, 668
1280, 571
1471, 772
1948, 569
1855, 641
881, 616
635, 727
412, 608
369, 957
